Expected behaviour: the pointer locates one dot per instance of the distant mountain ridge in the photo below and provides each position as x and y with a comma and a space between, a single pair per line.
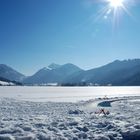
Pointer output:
116, 73
9, 73
52, 74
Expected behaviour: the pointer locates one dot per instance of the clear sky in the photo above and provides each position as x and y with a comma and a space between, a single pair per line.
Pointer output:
35, 33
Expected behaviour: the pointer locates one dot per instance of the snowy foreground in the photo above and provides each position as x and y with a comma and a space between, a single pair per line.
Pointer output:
24, 120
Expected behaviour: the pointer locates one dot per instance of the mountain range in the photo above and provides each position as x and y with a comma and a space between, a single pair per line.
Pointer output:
53, 74
116, 73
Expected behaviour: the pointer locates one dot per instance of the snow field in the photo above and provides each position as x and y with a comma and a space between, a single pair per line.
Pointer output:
24, 120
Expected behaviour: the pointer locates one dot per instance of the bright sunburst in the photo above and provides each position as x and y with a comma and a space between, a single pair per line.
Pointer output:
113, 10
116, 3
117, 7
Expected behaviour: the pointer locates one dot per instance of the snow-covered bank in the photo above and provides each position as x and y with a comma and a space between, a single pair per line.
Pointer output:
4, 83
23, 120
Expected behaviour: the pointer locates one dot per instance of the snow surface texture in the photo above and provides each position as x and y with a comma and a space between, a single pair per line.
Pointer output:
24, 120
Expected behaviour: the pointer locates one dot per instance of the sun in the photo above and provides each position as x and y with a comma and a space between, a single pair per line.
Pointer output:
116, 3
114, 10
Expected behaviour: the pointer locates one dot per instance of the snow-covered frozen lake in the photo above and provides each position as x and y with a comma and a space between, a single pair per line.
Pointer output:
65, 94
62, 120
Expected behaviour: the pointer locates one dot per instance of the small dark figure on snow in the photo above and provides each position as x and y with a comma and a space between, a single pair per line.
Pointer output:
103, 111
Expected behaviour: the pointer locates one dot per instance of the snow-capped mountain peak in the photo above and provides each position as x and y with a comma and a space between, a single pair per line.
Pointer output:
53, 66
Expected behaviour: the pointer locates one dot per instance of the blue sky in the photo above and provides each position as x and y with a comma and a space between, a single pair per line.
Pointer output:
35, 33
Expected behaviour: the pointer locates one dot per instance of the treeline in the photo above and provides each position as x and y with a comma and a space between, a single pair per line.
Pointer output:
8, 81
